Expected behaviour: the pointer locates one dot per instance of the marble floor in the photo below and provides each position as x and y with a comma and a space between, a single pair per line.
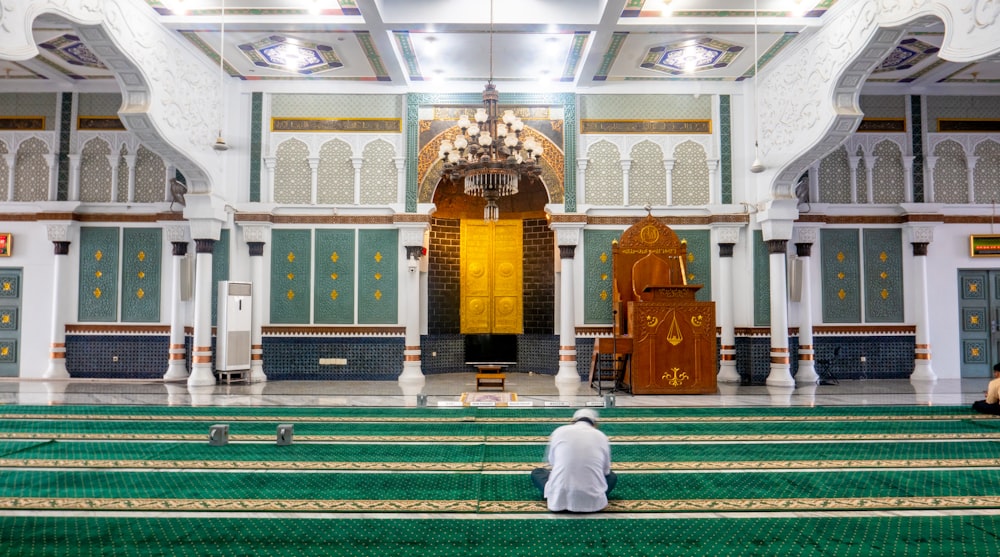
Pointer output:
446, 390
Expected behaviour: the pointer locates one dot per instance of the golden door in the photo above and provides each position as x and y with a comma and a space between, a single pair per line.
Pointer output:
491, 277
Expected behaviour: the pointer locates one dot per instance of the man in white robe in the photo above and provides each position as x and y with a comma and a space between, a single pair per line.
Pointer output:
580, 476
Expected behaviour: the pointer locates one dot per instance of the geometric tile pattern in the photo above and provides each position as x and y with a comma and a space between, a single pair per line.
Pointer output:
604, 175
70, 49
141, 275
290, 284
220, 267
861, 175
950, 175
378, 276
292, 174
597, 275
690, 56
835, 177
726, 150
286, 105
4, 172
699, 260
647, 177
840, 275
908, 53
887, 173
917, 146
334, 277
761, 281
690, 178
291, 55
883, 267
335, 174
98, 280
150, 177
95, 172
986, 174
31, 172
379, 184
256, 131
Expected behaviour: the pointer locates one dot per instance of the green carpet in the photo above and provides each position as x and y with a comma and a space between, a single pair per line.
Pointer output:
960, 536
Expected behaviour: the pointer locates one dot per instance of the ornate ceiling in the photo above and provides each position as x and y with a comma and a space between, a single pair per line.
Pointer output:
445, 45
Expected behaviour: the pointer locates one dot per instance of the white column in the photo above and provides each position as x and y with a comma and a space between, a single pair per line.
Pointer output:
581, 180
413, 238
10, 159
806, 375
59, 236
50, 160
314, 171
908, 179
668, 164
929, 190
626, 165
267, 196
400, 179
853, 163
357, 161
780, 375
256, 235
727, 238
567, 238
113, 161
870, 178
201, 357
714, 191
74, 177
920, 238
130, 162
177, 352
814, 183
970, 171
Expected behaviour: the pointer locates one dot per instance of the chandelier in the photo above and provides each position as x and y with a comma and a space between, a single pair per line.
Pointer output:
488, 155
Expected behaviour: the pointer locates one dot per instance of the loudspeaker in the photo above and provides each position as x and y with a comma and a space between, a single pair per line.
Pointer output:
218, 435
285, 434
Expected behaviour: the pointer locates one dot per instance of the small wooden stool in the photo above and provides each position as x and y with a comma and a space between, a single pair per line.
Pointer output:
490, 376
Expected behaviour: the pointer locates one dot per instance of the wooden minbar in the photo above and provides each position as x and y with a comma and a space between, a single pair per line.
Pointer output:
670, 336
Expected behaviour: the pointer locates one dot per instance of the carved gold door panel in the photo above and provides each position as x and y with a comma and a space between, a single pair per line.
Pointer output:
491, 277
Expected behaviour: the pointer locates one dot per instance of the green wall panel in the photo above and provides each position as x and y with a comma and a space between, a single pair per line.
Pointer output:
840, 276
761, 281
597, 273
334, 277
141, 274
290, 281
220, 268
98, 296
883, 252
699, 260
256, 142
378, 277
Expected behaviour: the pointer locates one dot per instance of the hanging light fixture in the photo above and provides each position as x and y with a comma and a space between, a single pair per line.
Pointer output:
220, 143
488, 155
757, 167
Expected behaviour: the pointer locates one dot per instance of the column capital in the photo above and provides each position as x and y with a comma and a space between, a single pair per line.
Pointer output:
806, 234
920, 234
256, 232
57, 232
803, 249
567, 252
727, 233
919, 249
582, 164
60, 247
776, 246
175, 233
256, 249
204, 245
726, 249
567, 233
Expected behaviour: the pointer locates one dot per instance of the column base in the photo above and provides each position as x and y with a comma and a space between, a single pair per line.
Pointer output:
727, 372
411, 372
780, 376
56, 370
201, 376
176, 372
922, 371
257, 374
807, 373
567, 372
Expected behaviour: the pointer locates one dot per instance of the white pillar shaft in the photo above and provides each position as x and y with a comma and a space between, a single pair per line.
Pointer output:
807, 349
74, 178
411, 352
357, 162
130, 161
970, 171
177, 364
870, 179
256, 320
727, 347
314, 177
11, 160
780, 375
567, 321
57, 333
113, 161
922, 368
626, 165
201, 356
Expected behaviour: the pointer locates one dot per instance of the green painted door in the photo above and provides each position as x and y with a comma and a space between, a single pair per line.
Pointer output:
979, 308
10, 321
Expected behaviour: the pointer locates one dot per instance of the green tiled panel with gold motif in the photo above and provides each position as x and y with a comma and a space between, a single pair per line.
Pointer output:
699, 260
597, 275
141, 274
378, 276
220, 268
333, 301
290, 280
761, 281
883, 252
840, 276
98, 297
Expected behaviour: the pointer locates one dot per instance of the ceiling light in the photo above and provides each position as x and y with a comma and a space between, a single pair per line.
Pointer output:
488, 154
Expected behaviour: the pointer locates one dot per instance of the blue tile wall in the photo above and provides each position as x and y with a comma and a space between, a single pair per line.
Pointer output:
368, 359
139, 356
